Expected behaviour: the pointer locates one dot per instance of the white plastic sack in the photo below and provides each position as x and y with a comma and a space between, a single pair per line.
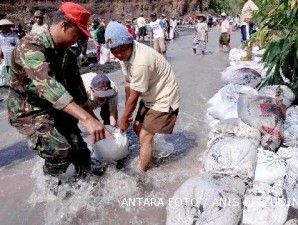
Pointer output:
291, 127
104, 55
265, 204
223, 105
112, 149
236, 55
233, 128
241, 76
281, 92
291, 180
209, 199
235, 156
266, 114
270, 167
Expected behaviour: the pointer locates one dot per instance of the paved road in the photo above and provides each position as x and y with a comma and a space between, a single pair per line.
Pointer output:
25, 199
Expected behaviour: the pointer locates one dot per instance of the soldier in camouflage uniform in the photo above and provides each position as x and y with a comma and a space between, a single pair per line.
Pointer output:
48, 96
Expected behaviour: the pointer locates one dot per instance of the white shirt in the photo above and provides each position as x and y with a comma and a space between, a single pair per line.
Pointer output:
201, 29
39, 29
225, 26
157, 28
141, 22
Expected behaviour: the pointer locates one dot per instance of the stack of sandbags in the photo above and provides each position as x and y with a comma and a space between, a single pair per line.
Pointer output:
236, 55
223, 105
209, 199
265, 114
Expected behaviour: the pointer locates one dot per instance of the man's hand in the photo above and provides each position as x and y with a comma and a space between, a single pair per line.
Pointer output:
92, 125
95, 128
124, 124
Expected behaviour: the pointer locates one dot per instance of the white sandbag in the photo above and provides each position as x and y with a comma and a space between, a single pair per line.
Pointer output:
270, 167
112, 149
233, 128
105, 55
236, 55
266, 114
291, 127
291, 180
292, 222
211, 121
223, 105
287, 153
235, 156
241, 76
3, 74
262, 206
281, 92
209, 199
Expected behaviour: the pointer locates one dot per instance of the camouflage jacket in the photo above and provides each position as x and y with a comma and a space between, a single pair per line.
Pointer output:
44, 80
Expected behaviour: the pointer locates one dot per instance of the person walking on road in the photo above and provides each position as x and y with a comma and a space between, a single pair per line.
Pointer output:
150, 78
201, 35
157, 27
225, 35
48, 98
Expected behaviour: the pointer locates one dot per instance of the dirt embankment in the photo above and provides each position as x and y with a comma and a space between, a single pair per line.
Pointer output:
22, 10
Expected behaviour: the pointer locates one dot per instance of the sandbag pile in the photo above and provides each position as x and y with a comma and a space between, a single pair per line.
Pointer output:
246, 146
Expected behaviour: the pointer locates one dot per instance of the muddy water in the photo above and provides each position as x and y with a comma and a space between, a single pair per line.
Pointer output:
119, 196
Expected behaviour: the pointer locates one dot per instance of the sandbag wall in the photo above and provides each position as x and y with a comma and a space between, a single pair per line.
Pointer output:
251, 162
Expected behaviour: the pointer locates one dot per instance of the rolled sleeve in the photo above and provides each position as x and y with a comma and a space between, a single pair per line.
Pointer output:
63, 101
37, 69
139, 79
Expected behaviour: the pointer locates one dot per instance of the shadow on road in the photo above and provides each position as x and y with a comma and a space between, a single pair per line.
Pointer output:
18, 152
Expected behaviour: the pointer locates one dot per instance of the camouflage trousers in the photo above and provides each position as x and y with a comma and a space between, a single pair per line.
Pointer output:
61, 146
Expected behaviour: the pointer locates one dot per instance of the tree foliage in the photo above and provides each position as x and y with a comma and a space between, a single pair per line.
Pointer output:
278, 33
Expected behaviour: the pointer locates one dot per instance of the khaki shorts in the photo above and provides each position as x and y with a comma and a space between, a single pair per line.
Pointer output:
159, 44
155, 121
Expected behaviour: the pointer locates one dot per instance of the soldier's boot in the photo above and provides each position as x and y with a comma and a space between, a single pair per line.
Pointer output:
55, 168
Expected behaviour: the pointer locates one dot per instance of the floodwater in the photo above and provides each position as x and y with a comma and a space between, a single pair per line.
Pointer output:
119, 196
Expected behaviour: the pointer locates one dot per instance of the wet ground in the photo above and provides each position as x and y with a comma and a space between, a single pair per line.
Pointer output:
119, 196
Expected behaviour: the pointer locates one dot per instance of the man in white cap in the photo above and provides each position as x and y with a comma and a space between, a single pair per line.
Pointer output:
8, 41
39, 26
225, 36
150, 78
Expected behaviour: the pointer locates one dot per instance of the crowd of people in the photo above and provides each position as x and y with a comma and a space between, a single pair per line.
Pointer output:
47, 95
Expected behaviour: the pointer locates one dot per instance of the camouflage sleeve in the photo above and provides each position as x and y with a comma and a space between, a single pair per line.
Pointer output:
37, 69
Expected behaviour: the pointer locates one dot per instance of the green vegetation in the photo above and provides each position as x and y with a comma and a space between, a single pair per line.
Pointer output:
278, 33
